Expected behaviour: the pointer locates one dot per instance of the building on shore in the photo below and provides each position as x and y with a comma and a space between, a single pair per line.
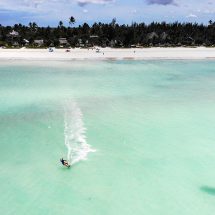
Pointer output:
63, 42
39, 43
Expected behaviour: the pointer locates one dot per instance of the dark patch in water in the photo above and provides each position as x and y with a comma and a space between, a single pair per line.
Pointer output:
208, 190
176, 77
162, 86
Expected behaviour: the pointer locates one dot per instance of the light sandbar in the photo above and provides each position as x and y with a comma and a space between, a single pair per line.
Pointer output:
109, 54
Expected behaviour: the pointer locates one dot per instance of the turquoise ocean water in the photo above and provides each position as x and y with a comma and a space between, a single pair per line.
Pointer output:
151, 124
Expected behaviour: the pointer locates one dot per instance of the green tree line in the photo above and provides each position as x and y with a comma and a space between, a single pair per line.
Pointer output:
110, 34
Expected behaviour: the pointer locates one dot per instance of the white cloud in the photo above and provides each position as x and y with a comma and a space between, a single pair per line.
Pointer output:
191, 16
32, 4
84, 2
85, 11
209, 11
161, 2
20, 4
134, 11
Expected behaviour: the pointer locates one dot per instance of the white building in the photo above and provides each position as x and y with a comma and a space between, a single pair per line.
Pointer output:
14, 33
38, 42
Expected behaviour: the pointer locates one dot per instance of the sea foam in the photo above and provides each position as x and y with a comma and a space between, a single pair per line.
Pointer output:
75, 133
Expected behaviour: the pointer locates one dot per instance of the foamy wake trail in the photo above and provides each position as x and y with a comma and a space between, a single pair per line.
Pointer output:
74, 132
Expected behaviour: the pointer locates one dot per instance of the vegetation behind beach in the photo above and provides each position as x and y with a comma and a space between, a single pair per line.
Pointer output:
108, 35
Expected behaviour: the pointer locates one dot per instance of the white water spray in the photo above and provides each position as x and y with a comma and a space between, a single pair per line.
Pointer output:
74, 132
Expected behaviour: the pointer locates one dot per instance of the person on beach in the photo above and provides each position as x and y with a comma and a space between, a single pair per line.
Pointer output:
64, 162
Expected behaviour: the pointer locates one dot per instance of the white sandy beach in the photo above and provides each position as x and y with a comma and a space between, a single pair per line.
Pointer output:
108, 53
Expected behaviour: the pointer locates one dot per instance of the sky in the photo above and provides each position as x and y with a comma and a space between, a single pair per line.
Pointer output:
50, 12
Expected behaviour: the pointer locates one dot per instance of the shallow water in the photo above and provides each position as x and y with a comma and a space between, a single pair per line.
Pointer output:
151, 123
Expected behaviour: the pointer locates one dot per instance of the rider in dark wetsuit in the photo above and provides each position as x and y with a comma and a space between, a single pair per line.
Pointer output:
64, 162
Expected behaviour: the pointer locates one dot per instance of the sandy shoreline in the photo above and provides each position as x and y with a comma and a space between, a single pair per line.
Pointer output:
109, 54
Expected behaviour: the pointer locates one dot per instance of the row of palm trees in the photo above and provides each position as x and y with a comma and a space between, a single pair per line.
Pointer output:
113, 34
71, 22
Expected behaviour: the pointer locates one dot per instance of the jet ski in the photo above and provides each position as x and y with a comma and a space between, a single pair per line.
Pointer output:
64, 162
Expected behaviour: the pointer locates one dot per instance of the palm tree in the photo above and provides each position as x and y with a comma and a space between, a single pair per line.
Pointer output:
71, 20
30, 25
60, 24
34, 25
113, 22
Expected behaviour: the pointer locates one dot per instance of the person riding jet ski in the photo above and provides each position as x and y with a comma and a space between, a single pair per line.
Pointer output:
64, 162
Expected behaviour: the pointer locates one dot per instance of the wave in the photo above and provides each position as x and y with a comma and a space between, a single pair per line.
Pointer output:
75, 133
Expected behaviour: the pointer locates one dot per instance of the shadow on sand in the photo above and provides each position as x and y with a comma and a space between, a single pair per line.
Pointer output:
208, 190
